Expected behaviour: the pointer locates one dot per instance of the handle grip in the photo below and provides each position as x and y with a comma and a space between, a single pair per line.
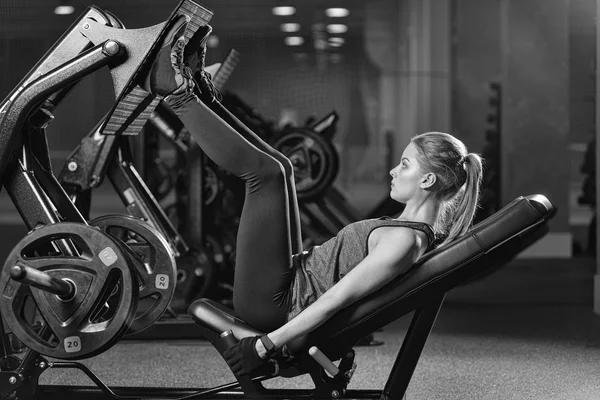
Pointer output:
323, 360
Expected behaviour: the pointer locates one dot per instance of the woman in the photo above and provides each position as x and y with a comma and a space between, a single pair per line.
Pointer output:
278, 288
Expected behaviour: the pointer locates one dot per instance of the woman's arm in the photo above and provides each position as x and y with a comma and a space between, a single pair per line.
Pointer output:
394, 253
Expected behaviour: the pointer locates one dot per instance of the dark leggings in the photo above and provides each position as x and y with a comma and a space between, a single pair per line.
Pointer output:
269, 230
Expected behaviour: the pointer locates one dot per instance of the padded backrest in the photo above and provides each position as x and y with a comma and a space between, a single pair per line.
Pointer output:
491, 243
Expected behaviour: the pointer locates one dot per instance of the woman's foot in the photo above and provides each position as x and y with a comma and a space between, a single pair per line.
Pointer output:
207, 89
175, 63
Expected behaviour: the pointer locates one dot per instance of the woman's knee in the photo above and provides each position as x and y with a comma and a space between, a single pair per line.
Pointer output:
271, 170
287, 166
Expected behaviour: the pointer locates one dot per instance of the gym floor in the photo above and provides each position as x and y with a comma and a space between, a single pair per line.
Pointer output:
525, 332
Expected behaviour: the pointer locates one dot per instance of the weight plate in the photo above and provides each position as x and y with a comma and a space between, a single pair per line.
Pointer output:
154, 263
314, 158
96, 265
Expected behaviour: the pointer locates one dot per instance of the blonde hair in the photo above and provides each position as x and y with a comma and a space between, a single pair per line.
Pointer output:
458, 181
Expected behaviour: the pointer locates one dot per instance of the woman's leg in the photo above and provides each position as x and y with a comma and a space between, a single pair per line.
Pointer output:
263, 271
234, 122
195, 53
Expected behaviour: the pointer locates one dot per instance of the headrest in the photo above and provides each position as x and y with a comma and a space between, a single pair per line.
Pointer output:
491, 243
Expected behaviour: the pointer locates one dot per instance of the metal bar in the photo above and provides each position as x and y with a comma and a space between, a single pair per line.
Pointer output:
46, 179
42, 280
90, 393
27, 195
124, 393
69, 45
411, 349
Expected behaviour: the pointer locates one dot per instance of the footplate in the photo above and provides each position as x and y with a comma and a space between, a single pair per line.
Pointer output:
134, 105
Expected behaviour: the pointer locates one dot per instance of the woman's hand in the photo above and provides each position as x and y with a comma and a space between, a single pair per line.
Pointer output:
243, 357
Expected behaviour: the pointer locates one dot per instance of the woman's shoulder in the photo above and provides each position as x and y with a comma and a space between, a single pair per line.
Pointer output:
394, 234
418, 233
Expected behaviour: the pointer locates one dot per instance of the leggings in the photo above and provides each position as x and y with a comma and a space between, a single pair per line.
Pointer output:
269, 228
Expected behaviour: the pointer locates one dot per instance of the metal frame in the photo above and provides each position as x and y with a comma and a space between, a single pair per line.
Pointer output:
325, 386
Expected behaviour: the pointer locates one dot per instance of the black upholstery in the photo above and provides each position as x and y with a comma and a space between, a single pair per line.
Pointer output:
489, 244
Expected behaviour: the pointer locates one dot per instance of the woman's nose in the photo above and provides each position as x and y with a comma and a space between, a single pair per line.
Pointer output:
392, 173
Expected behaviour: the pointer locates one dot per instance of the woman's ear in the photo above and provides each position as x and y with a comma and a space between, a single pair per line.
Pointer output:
428, 180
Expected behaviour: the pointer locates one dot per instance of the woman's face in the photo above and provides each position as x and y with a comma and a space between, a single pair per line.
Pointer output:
407, 175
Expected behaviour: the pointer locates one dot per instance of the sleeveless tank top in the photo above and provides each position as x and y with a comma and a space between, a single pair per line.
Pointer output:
318, 269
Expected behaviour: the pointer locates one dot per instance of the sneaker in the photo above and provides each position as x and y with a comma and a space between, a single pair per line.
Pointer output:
207, 89
168, 74
191, 55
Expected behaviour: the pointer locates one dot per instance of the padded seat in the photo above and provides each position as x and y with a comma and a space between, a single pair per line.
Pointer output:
491, 243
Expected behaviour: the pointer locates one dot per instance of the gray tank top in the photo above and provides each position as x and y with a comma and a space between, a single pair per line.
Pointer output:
318, 269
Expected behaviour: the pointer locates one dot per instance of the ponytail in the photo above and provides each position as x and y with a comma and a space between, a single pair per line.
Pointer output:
459, 175
460, 210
